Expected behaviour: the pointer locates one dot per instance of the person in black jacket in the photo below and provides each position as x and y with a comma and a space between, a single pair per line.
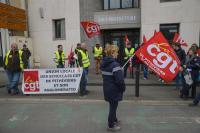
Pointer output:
113, 84
182, 57
192, 65
27, 55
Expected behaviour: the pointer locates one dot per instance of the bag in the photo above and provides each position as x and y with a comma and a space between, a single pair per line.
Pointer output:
188, 77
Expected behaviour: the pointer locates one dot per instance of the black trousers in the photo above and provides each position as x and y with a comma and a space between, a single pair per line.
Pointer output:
112, 118
186, 88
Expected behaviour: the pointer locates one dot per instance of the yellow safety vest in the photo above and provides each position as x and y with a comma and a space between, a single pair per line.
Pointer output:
78, 50
58, 57
97, 52
129, 53
85, 59
20, 58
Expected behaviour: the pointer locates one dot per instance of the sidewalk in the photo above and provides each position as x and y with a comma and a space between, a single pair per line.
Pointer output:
150, 89
96, 80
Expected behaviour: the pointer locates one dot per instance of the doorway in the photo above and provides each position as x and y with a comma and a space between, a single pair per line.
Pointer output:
117, 37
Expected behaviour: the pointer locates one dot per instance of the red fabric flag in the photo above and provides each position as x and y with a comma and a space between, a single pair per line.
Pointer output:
126, 40
144, 39
177, 38
158, 55
91, 28
70, 56
155, 32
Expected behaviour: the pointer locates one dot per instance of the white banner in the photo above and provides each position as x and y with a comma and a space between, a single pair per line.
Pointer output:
51, 81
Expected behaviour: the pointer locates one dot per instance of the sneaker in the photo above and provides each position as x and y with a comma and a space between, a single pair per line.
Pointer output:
117, 123
145, 78
114, 128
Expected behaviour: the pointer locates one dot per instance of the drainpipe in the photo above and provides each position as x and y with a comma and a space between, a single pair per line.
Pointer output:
27, 22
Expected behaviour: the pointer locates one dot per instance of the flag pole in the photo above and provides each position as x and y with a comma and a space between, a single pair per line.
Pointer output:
127, 61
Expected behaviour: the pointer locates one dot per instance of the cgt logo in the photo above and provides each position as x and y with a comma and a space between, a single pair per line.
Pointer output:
93, 29
31, 81
162, 59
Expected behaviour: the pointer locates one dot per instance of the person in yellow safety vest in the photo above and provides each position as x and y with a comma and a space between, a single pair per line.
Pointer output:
60, 57
84, 62
98, 52
13, 65
76, 51
129, 51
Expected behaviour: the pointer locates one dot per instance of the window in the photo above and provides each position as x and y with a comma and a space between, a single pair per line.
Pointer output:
120, 4
114, 4
106, 4
169, 0
59, 29
127, 3
169, 31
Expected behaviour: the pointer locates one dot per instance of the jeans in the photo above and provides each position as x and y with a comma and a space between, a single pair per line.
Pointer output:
197, 99
178, 80
145, 70
60, 66
97, 65
112, 117
13, 78
83, 82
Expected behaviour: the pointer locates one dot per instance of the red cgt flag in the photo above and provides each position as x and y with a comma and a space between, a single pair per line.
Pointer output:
160, 57
177, 38
91, 28
144, 39
126, 40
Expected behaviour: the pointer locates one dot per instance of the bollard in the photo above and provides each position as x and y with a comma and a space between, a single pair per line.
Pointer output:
137, 79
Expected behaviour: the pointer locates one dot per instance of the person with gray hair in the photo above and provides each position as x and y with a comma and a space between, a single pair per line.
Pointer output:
84, 62
13, 65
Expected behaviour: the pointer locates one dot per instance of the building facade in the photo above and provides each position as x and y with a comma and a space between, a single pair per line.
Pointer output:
11, 25
53, 22
170, 16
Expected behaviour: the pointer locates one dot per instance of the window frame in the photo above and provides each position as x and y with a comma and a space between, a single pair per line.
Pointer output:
121, 1
62, 37
170, 24
164, 1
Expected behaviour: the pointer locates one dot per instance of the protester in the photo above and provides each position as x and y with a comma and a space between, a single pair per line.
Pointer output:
190, 67
129, 51
195, 48
113, 84
98, 52
60, 57
26, 54
182, 56
84, 61
78, 47
13, 65
121, 55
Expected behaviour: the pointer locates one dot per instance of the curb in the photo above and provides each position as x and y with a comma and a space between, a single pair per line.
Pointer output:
135, 102
128, 84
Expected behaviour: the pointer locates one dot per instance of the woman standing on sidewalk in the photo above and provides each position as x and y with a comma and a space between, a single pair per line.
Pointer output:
113, 84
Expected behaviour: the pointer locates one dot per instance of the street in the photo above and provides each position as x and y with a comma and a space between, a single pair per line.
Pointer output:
89, 116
